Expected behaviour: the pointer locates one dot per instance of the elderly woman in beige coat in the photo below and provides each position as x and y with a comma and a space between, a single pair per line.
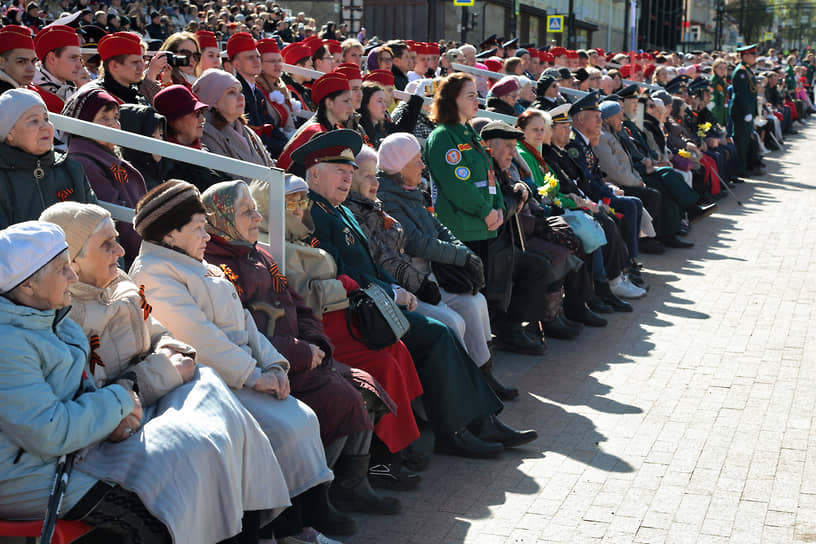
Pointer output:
200, 306
188, 407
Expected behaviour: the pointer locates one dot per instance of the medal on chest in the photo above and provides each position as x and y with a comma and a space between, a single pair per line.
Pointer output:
349, 236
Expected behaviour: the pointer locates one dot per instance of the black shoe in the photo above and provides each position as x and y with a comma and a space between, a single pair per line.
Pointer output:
414, 460
393, 476
501, 390
352, 492
465, 444
591, 319
515, 340
606, 294
569, 322
327, 519
675, 242
597, 305
493, 429
651, 246
557, 328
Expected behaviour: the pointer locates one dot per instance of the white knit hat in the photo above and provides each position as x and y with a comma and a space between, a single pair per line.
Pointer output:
78, 221
396, 151
25, 248
13, 104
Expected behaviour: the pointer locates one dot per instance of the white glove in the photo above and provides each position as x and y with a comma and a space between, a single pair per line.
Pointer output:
749, 117
296, 105
276, 97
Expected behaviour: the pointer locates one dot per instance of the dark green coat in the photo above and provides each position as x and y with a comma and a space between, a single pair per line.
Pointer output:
744, 101
463, 174
718, 99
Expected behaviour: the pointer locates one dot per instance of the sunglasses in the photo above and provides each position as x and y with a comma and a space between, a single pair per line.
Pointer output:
303, 204
195, 55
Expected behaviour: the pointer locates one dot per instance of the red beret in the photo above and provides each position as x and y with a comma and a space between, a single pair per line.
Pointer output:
637, 68
119, 43
558, 51
572, 54
327, 84
53, 37
546, 56
313, 43
494, 65
295, 52
267, 45
600, 51
15, 37
352, 73
649, 70
206, 39
333, 46
433, 48
238, 43
383, 77
625, 70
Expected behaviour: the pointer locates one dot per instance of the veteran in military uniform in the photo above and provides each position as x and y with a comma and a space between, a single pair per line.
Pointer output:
459, 403
743, 107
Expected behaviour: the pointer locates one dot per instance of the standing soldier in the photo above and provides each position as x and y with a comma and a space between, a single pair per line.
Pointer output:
743, 106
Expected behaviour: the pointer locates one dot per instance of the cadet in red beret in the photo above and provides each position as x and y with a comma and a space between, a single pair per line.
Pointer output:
355, 77
17, 57
298, 54
384, 78
210, 52
125, 77
331, 94
57, 47
335, 49
280, 103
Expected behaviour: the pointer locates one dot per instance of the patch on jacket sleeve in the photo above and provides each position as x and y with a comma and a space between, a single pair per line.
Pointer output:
462, 173
453, 157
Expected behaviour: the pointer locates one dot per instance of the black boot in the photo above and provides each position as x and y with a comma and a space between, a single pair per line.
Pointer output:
558, 328
352, 492
606, 294
493, 429
513, 338
466, 444
390, 473
326, 518
502, 391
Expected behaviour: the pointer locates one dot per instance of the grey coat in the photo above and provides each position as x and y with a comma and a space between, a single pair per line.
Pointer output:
426, 237
228, 142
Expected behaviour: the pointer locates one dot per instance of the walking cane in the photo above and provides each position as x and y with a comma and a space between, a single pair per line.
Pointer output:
727, 188
65, 465
524, 250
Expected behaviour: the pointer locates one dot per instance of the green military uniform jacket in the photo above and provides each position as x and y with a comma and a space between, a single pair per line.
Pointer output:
718, 99
790, 78
744, 101
463, 173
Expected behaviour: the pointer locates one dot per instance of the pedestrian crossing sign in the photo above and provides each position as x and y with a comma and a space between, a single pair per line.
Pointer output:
555, 23
462, 2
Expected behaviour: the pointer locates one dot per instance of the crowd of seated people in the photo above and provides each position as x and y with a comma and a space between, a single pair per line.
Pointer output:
199, 393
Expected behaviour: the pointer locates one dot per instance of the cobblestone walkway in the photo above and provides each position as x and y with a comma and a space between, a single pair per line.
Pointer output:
689, 420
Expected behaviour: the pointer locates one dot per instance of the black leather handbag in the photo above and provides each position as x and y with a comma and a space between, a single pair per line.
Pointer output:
374, 319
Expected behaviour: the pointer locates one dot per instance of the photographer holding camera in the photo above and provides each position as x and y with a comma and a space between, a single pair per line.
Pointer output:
183, 55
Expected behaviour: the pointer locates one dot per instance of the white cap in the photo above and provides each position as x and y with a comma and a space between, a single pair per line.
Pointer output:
25, 248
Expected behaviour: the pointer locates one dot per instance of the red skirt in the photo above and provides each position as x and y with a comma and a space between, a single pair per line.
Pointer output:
393, 367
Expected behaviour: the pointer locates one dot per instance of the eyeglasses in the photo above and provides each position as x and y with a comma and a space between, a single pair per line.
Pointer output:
195, 55
303, 204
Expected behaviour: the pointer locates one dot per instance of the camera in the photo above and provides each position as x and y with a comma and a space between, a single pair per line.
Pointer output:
177, 60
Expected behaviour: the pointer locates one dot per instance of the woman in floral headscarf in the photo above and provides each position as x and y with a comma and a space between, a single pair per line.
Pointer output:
323, 383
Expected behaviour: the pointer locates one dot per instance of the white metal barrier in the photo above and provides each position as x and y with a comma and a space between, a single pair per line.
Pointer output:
274, 176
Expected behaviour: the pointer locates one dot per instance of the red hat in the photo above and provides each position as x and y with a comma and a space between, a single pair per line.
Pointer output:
327, 84
295, 52
333, 46
206, 39
15, 37
383, 77
599, 51
119, 43
267, 45
558, 51
625, 70
52, 37
533, 52
433, 48
546, 56
494, 65
505, 86
411, 45
240, 42
313, 43
649, 70
176, 101
572, 54
637, 68
351, 72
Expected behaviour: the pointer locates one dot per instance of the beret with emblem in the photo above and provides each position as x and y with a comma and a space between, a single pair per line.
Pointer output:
501, 131
335, 146
585, 103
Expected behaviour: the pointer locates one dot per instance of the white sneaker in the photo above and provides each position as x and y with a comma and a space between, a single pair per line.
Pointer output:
308, 536
623, 288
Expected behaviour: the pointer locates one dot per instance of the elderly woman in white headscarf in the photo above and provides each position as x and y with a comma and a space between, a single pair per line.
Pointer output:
407, 243
188, 407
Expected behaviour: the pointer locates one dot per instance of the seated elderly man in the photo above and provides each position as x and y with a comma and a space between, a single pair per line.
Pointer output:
461, 408
51, 408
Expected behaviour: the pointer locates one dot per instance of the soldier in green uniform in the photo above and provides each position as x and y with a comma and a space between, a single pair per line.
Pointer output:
743, 105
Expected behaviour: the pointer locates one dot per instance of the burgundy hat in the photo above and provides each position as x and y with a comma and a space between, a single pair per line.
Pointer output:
119, 43
505, 86
53, 37
176, 101
15, 37
95, 102
240, 42
206, 39
327, 84
383, 77
268, 45
295, 52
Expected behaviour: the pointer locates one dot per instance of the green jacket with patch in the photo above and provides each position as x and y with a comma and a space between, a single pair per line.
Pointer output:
744, 101
463, 174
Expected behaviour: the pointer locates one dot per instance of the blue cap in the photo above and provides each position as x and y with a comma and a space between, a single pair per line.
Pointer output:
609, 108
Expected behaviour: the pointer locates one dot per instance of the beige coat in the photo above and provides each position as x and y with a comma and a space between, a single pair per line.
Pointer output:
127, 334
200, 306
615, 162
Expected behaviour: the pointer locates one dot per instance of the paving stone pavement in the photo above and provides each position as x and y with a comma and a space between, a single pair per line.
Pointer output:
689, 420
